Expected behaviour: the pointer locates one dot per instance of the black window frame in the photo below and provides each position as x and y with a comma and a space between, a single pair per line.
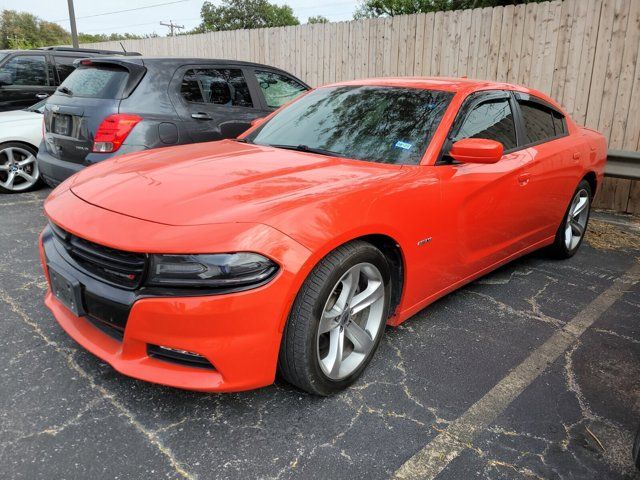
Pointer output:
476, 98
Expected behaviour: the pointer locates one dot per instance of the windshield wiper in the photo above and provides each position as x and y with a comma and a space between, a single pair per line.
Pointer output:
65, 90
305, 148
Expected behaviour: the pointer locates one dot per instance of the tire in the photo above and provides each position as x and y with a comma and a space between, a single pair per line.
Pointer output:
17, 162
574, 224
310, 358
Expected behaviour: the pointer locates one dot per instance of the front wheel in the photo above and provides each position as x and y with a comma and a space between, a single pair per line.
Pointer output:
571, 232
337, 320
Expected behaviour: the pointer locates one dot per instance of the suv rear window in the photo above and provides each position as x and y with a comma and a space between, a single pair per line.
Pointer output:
96, 82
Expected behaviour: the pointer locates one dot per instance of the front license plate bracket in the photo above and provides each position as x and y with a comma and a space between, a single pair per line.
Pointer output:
67, 290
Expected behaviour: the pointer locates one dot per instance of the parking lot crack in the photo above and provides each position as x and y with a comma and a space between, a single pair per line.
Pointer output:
150, 436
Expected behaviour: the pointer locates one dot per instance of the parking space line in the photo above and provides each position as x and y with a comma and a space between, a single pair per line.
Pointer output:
460, 434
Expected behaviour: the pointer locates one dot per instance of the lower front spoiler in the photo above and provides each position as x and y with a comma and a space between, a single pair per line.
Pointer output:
131, 358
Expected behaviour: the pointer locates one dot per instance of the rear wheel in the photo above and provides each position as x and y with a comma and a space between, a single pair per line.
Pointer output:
337, 320
18, 168
571, 232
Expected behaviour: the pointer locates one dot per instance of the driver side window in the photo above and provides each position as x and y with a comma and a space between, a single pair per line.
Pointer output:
492, 120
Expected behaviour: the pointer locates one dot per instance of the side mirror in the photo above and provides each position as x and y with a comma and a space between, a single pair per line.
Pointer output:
257, 121
5, 79
476, 150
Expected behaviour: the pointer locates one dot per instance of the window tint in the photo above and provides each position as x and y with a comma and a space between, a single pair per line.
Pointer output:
278, 89
376, 124
64, 65
492, 120
538, 122
96, 82
26, 70
219, 86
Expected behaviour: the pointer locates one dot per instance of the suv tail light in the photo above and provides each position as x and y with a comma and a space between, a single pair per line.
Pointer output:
113, 131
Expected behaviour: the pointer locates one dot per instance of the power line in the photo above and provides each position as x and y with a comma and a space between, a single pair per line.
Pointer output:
127, 10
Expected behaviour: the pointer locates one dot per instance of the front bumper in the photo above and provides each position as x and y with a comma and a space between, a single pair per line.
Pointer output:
238, 333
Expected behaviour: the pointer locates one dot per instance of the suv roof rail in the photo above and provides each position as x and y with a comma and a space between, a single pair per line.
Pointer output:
88, 50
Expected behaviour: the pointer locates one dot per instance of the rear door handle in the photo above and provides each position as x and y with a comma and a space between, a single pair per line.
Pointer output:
42, 96
576, 156
524, 178
201, 116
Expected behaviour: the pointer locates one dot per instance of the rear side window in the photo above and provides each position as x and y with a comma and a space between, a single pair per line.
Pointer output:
540, 122
219, 86
96, 82
27, 70
278, 89
492, 120
64, 66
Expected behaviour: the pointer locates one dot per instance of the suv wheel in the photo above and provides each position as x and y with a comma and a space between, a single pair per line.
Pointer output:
18, 168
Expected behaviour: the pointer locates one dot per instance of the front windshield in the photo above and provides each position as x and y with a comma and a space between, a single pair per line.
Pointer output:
378, 124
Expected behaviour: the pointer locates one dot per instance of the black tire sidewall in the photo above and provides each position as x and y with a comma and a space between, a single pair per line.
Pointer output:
559, 247
364, 253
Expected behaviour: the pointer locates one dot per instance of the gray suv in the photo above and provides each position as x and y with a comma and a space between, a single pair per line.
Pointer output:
111, 106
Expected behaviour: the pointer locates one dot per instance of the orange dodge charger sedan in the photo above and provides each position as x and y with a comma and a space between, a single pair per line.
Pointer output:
213, 266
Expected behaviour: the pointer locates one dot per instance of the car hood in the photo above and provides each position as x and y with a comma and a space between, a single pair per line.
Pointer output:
19, 116
220, 182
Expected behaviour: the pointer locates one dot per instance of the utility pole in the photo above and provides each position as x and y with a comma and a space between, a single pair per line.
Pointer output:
172, 26
72, 21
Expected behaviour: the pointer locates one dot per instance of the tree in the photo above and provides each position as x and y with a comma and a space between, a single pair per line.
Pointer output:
318, 19
21, 31
24, 30
236, 14
390, 8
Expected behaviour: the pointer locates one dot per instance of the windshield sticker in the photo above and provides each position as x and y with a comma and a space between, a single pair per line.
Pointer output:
403, 145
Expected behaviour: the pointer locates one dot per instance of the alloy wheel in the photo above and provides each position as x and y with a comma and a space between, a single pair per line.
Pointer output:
351, 320
577, 217
18, 169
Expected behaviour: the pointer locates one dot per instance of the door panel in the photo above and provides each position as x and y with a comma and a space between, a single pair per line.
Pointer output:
29, 81
214, 102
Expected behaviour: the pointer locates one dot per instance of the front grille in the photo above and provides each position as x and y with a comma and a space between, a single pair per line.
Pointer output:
120, 268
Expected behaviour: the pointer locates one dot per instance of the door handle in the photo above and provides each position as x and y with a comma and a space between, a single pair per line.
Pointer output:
576, 156
41, 96
524, 178
201, 116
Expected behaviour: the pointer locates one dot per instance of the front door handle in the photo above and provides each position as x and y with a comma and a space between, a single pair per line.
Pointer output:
524, 178
201, 116
41, 96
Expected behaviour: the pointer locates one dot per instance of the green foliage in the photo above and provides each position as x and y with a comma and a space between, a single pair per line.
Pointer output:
238, 14
22, 31
390, 8
318, 19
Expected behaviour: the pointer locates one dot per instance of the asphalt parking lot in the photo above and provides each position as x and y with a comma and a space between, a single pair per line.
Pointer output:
531, 372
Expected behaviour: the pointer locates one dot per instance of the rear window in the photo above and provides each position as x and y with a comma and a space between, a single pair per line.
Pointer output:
541, 123
96, 82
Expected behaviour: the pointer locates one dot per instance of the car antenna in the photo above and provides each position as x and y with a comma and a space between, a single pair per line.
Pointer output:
123, 49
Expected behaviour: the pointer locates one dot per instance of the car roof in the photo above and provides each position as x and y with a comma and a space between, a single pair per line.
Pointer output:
187, 60
450, 84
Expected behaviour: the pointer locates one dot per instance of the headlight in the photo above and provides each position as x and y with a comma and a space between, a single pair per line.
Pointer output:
213, 271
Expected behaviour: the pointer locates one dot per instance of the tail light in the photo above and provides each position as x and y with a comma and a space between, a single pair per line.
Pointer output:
113, 131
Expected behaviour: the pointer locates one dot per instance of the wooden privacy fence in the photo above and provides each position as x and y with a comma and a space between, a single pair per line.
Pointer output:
584, 53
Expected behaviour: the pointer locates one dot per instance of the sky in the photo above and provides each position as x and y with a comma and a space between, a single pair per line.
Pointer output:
146, 20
